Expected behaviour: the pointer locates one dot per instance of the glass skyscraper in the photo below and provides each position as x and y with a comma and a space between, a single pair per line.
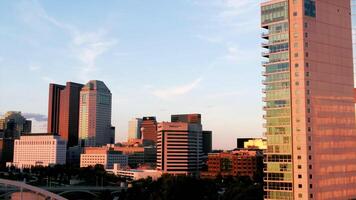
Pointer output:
309, 102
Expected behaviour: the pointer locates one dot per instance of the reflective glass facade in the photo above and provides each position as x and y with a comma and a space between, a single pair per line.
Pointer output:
278, 157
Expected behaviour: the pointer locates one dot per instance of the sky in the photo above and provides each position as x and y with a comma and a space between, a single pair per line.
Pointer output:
157, 57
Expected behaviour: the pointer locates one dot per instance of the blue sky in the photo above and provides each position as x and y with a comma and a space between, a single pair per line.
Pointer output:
157, 57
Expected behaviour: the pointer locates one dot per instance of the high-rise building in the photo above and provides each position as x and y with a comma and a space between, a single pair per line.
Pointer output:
14, 124
63, 111
39, 149
149, 129
179, 148
95, 115
135, 128
309, 110
207, 142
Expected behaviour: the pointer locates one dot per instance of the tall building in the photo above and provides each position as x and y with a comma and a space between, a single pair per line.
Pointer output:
39, 149
207, 142
179, 148
135, 128
14, 124
95, 115
63, 111
149, 129
309, 108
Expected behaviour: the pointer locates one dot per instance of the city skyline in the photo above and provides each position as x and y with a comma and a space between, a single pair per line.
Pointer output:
215, 72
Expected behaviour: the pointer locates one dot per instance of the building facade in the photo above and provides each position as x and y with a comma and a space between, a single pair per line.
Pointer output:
106, 157
135, 128
179, 148
149, 129
309, 109
63, 111
13, 124
95, 115
39, 149
235, 163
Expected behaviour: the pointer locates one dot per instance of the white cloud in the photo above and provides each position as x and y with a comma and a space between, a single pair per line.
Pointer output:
33, 67
86, 46
176, 91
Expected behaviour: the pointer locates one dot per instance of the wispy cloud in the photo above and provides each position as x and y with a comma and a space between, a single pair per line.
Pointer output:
34, 67
175, 91
35, 116
86, 46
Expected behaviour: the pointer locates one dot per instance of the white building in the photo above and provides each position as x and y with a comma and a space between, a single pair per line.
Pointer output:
135, 128
107, 158
39, 149
135, 174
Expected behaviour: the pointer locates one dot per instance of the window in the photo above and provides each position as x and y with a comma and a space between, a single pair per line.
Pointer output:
299, 176
299, 167
300, 186
309, 8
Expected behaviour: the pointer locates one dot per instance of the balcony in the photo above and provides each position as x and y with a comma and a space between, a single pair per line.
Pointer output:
265, 35
265, 54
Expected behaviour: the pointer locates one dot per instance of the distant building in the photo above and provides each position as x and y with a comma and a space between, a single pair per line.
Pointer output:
207, 142
63, 111
95, 115
39, 149
179, 148
187, 118
252, 143
135, 174
135, 128
13, 124
139, 155
149, 129
236, 163
104, 156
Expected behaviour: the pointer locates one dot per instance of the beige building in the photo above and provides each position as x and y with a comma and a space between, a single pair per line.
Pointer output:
95, 115
179, 148
39, 149
102, 156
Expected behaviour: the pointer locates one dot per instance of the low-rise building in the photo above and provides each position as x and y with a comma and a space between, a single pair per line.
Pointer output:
135, 174
39, 149
234, 163
104, 156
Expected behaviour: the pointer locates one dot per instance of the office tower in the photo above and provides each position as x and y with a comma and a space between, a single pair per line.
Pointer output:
13, 124
149, 129
179, 148
53, 107
63, 111
95, 115
135, 128
39, 149
207, 142
310, 114
187, 118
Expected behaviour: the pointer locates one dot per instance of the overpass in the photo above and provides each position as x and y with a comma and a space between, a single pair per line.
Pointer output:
16, 186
